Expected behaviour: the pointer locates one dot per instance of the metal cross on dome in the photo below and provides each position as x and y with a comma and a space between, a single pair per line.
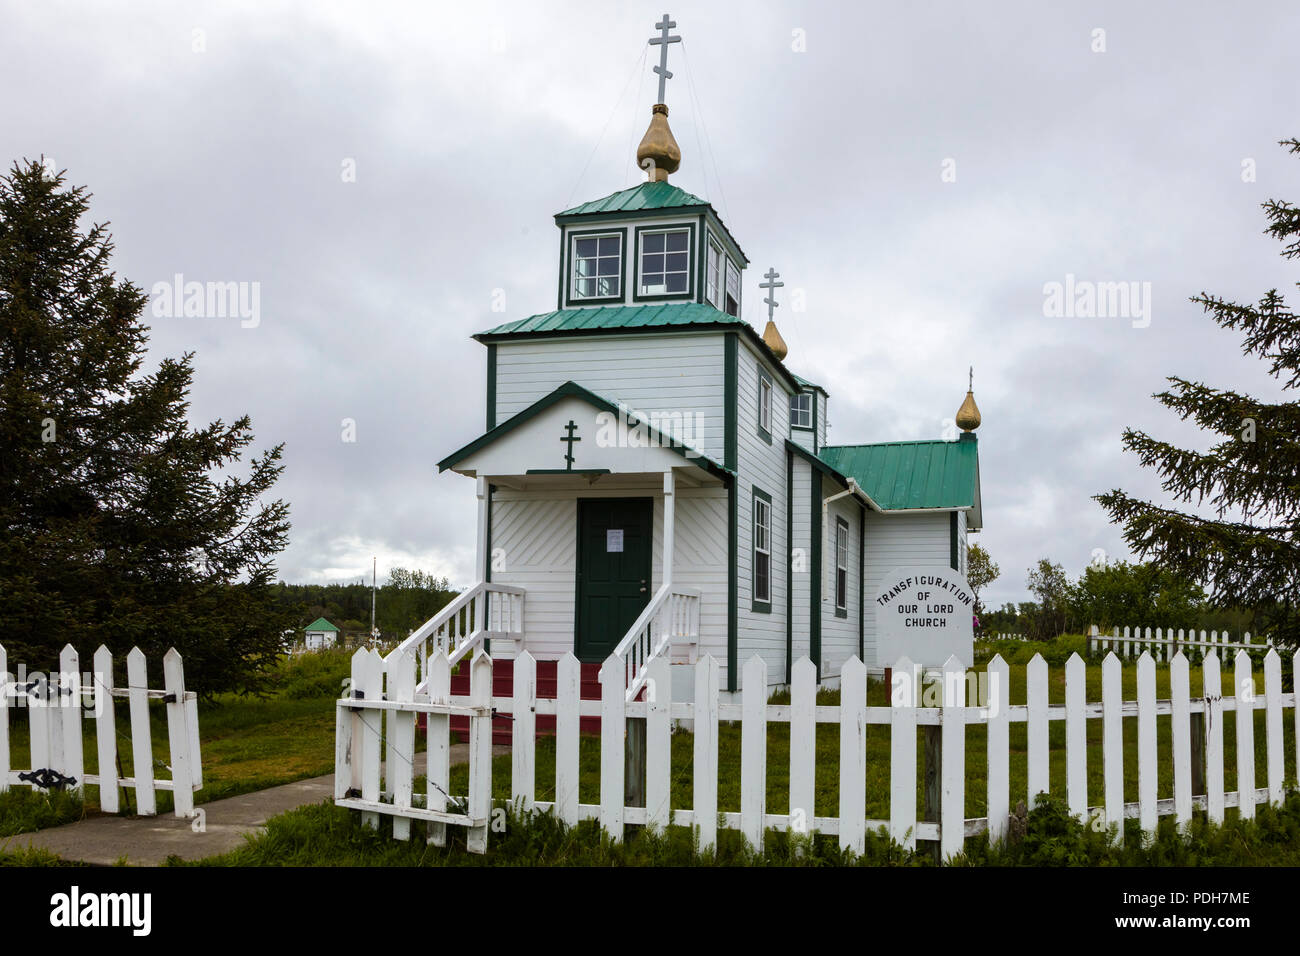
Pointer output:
662, 42
771, 275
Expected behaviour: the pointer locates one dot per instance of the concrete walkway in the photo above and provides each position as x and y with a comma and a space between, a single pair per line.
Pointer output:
148, 841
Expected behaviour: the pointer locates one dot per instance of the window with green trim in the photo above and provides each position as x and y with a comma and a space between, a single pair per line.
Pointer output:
764, 405
841, 567
801, 410
665, 262
762, 544
597, 266
713, 277
733, 290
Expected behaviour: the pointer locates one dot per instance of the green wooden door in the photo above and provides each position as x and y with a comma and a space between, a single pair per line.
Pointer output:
613, 586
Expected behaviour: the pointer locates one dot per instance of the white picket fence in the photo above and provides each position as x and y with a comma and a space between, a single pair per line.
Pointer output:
1164, 644
1010, 637
359, 785
56, 705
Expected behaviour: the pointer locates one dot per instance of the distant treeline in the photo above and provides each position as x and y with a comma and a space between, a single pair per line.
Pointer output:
403, 602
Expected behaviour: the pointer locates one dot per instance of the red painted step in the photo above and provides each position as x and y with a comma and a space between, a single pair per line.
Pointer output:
503, 685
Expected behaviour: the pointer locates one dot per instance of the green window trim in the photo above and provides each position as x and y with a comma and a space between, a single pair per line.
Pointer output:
841, 610
789, 566
765, 433
756, 605
692, 257
952, 534
491, 386
566, 279
815, 572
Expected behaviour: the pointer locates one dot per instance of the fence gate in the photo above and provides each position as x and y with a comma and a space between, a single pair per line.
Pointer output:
56, 706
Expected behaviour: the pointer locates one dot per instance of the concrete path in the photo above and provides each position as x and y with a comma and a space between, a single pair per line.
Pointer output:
148, 841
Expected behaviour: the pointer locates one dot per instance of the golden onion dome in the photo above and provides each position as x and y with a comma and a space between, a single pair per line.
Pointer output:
772, 339
659, 153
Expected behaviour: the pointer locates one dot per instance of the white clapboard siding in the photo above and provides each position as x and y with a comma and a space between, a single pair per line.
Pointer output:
944, 827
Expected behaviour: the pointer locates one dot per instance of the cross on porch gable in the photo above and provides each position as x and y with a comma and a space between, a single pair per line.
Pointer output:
570, 438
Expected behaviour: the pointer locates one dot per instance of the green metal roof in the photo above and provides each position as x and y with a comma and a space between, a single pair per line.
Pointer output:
320, 624
617, 317
807, 384
912, 474
658, 195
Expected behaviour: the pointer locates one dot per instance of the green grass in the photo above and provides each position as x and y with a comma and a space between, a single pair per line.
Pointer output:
324, 835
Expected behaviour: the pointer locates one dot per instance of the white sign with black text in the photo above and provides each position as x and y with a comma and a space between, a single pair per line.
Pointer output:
925, 614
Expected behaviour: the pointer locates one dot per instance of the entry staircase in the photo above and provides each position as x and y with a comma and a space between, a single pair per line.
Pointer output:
492, 615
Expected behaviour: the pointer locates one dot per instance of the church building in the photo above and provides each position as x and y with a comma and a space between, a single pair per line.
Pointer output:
655, 476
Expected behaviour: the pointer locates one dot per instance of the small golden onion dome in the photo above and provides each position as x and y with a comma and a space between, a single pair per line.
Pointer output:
968, 416
772, 339
659, 153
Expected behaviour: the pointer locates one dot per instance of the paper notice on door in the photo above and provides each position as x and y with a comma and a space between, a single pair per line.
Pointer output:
614, 540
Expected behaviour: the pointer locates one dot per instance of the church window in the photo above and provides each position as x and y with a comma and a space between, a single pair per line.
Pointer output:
733, 290
764, 405
801, 410
665, 262
841, 567
597, 266
762, 551
713, 277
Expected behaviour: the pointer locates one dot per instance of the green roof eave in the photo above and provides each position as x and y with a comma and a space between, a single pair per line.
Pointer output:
807, 384
574, 390
615, 319
913, 476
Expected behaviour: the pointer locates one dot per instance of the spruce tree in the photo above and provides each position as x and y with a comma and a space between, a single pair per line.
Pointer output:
119, 522
1246, 551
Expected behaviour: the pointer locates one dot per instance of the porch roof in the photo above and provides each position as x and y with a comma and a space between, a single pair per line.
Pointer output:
572, 390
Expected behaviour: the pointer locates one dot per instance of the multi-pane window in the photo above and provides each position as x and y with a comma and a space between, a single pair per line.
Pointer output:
733, 290
665, 262
841, 564
765, 404
762, 550
597, 266
801, 410
713, 277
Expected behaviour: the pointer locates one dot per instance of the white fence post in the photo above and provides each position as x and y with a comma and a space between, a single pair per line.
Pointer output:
1180, 692
803, 741
1245, 694
437, 769
1038, 768
999, 747
1112, 751
952, 768
658, 743
523, 760
706, 752
69, 701
137, 681
178, 734
568, 687
753, 750
902, 757
105, 730
853, 756
1273, 725
613, 728
1148, 772
1212, 688
1076, 737
480, 752
400, 768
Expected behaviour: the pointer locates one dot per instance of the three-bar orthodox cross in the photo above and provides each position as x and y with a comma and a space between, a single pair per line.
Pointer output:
662, 42
771, 275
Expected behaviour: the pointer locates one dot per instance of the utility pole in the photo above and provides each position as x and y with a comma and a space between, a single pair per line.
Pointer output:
374, 570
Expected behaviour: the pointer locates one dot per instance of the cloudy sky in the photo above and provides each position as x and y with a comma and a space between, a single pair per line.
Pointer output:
917, 172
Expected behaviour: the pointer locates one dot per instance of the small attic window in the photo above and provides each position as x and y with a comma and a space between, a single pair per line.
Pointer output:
665, 262
801, 410
597, 266
733, 290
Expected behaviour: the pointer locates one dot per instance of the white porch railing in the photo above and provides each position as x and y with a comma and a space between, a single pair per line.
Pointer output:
494, 612
671, 617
